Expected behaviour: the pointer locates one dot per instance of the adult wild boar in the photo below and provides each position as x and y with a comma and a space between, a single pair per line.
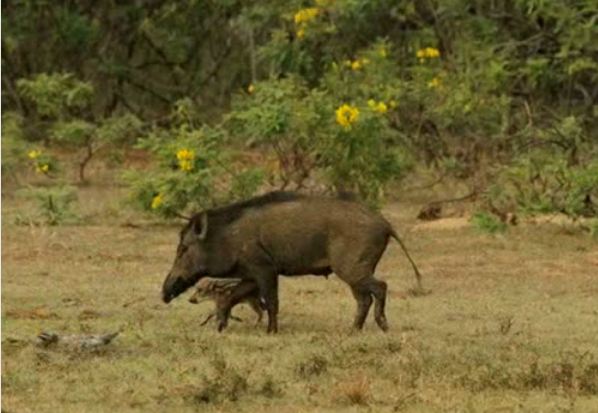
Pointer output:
288, 234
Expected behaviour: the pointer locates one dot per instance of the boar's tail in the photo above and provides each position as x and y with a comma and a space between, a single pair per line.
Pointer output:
418, 275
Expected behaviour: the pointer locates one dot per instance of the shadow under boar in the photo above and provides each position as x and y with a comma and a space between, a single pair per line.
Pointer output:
286, 233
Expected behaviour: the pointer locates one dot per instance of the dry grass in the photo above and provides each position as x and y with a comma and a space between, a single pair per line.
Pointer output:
355, 390
511, 325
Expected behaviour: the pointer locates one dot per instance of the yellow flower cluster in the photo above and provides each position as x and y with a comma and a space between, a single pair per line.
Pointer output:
346, 115
427, 53
303, 17
34, 154
42, 168
250, 89
434, 83
157, 201
379, 107
185, 158
357, 64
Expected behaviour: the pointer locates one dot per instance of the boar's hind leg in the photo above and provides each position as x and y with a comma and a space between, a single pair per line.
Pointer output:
378, 289
361, 292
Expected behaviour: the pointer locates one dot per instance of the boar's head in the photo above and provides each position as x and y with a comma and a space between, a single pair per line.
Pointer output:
191, 259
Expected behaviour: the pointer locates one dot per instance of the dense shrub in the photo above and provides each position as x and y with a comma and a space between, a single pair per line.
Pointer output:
194, 170
54, 205
62, 103
345, 94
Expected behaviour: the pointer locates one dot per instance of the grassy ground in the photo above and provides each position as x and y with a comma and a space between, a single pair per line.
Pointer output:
511, 325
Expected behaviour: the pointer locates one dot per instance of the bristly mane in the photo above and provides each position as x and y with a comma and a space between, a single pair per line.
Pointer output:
230, 213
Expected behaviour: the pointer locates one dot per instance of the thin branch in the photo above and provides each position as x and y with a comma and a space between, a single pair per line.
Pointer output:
145, 88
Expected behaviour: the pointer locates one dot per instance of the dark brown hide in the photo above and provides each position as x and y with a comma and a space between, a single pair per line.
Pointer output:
284, 233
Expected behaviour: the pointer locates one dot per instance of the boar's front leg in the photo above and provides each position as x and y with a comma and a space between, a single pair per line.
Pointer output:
256, 305
268, 285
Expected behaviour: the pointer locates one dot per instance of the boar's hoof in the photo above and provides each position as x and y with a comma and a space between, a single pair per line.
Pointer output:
382, 323
221, 326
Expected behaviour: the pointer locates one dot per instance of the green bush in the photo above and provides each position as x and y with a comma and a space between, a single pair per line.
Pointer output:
56, 95
53, 205
19, 155
14, 152
559, 175
63, 101
193, 171
340, 131
487, 222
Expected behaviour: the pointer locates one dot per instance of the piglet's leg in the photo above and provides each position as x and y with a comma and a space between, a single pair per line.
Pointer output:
208, 318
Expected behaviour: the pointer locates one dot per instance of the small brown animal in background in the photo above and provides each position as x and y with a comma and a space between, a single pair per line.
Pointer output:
226, 294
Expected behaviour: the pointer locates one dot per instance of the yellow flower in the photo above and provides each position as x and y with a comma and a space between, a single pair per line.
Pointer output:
33, 154
185, 158
428, 52
157, 201
301, 33
185, 155
250, 89
357, 64
434, 83
381, 107
42, 168
432, 52
305, 15
186, 165
347, 115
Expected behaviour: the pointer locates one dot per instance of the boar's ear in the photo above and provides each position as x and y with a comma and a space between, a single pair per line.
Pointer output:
201, 227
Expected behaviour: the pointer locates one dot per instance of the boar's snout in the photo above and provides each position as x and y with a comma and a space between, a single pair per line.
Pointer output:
175, 285
167, 296
170, 288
